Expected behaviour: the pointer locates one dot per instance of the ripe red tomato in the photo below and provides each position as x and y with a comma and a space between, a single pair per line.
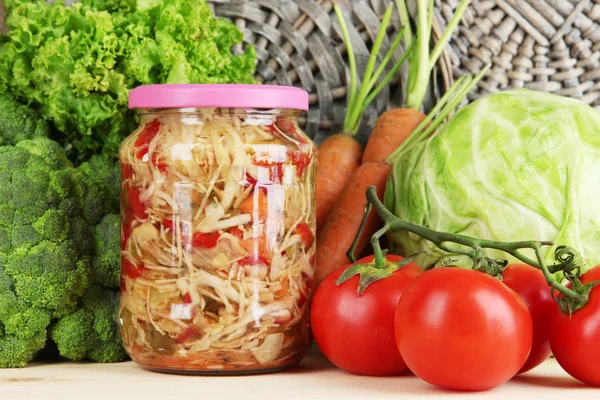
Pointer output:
575, 339
462, 329
531, 286
356, 332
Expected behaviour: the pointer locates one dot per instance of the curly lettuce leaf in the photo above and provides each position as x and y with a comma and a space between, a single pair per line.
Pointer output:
77, 64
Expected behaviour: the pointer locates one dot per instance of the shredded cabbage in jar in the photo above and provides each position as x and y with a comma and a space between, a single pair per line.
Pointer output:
217, 240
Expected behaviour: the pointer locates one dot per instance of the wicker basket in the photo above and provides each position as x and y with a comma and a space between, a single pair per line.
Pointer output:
299, 43
548, 45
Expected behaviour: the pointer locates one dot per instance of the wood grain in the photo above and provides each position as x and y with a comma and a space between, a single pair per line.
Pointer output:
315, 378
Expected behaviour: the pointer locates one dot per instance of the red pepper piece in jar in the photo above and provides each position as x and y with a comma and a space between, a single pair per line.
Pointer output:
126, 230
130, 270
143, 141
250, 180
137, 206
306, 235
276, 173
205, 240
187, 298
253, 259
168, 224
301, 160
187, 334
126, 172
162, 167
286, 125
237, 232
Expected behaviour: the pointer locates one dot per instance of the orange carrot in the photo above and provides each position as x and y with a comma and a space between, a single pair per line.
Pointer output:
396, 131
391, 130
339, 156
340, 229
256, 205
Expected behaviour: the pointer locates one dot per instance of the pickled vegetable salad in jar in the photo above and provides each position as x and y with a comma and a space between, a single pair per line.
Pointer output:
218, 222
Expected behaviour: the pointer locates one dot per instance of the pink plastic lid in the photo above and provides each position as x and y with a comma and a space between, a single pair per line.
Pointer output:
226, 96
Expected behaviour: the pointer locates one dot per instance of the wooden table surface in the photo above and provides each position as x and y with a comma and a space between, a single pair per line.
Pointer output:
314, 379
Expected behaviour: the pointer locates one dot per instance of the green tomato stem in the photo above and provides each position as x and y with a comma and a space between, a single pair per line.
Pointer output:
472, 247
351, 253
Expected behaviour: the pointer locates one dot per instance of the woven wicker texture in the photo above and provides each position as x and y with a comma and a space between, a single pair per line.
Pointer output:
548, 45
298, 43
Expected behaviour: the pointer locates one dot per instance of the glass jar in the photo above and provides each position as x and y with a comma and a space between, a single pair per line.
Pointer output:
218, 229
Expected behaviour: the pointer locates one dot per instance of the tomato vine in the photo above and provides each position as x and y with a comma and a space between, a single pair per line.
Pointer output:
568, 260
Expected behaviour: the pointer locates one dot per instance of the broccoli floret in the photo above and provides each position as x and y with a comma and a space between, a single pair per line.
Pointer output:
92, 331
107, 171
106, 260
19, 122
22, 328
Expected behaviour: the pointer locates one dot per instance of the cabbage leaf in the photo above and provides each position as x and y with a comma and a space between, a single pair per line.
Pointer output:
519, 165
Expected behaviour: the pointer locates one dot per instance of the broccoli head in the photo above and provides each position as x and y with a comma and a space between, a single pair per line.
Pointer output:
59, 233
91, 332
45, 244
19, 122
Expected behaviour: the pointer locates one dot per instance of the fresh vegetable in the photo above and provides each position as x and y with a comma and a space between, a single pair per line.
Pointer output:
340, 155
19, 122
76, 64
356, 331
393, 131
478, 329
531, 286
218, 247
574, 337
462, 315
510, 166
92, 331
346, 216
49, 211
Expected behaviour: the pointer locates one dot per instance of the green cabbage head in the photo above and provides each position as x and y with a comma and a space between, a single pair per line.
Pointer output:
518, 165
